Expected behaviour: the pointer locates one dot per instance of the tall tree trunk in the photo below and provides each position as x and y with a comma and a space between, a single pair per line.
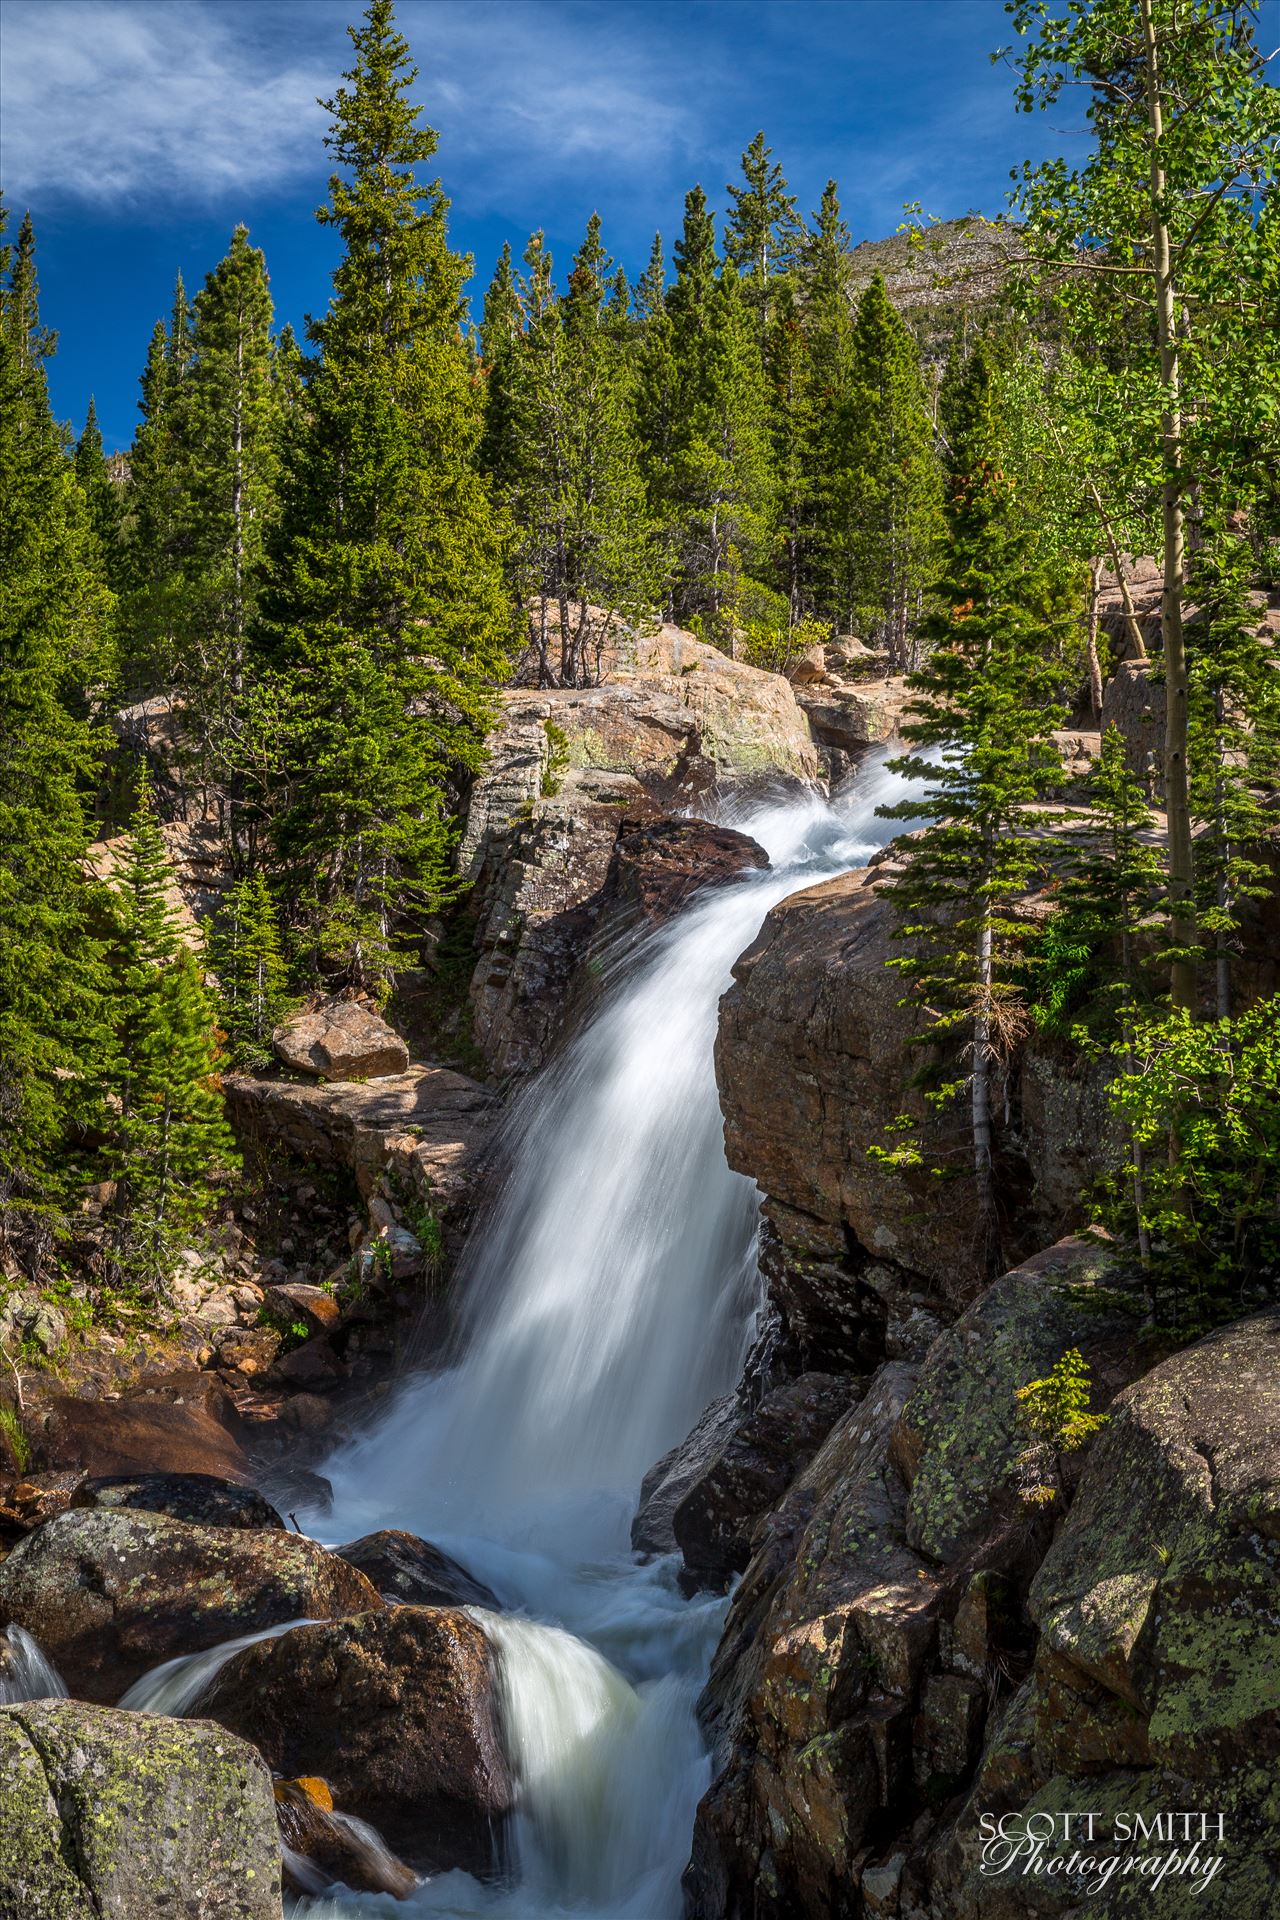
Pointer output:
1095, 664
1182, 976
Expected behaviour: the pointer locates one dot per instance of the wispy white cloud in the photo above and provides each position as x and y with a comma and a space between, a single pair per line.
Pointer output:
112, 100
187, 101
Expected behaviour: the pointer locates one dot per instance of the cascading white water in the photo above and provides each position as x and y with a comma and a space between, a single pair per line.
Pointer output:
609, 1296
25, 1671
175, 1686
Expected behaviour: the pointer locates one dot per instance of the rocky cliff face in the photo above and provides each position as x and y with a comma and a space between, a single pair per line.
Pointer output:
815, 1051
573, 774
916, 1645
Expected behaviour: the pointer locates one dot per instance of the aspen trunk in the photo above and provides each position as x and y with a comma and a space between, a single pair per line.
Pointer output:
1182, 978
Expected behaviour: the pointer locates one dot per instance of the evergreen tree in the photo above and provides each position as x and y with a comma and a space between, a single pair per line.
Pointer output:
763, 229
247, 957
704, 415
1234, 739
585, 557
385, 619
227, 455
879, 513
152, 553
50, 964
501, 326
102, 495
170, 1136
823, 273
983, 710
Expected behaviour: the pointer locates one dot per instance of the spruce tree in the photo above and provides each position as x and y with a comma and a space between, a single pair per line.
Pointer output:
763, 229
1234, 739
247, 958
227, 457
585, 556
980, 720
385, 619
51, 611
101, 493
152, 551
501, 325
170, 1139
704, 415
879, 515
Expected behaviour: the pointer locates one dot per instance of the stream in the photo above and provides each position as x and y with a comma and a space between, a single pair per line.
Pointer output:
609, 1294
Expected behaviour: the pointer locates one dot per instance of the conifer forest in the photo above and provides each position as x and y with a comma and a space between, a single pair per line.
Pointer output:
640, 1041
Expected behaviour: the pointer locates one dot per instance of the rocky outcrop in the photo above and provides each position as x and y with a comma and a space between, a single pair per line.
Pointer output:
847, 718
1133, 702
670, 1478
883, 1609
815, 1060
341, 1039
124, 1816
557, 885
659, 865
418, 1136
673, 722
1155, 1681
416, 1747
715, 1519
110, 1594
187, 1425
411, 1572
324, 1847
198, 1497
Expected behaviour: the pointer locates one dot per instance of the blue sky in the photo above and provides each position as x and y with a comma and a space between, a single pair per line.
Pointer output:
140, 131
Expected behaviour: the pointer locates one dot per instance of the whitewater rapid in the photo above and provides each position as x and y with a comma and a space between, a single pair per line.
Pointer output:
609, 1295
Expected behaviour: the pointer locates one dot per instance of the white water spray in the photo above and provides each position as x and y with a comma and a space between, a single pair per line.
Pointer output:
609, 1296
25, 1671
175, 1686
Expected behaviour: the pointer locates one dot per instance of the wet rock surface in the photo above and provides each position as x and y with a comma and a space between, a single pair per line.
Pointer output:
110, 1594
659, 865
715, 1519
326, 1846
197, 1497
411, 1572
122, 1816
184, 1425
397, 1712
813, 1056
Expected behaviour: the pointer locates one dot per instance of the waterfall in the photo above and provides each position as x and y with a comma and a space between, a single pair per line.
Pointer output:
609, 1295
175, 1686
25, 1673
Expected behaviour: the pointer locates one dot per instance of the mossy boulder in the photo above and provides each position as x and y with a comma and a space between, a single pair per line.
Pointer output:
959, 1443
199, 1497
398, 1712
112, 1593
124, 1816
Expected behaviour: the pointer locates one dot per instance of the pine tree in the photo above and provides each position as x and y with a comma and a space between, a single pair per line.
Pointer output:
704, 420
982, 711
763, 229
170, 1137
247, 958
879, 515
227, 457
385, 619
152, 553
501, 326
585, 555
102, 495
1234, 740
823, 273
50, 611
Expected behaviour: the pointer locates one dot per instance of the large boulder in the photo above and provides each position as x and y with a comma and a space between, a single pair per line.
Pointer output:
883, 1610
427, 1127
1133, 702
123, 1816
715, 1520
1156, 1682
397, 1711
341, 1039
849, 719
658, 865
671, 1477
816, 1059
187, 1426
110, 1594
411, 1572
198, 1497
